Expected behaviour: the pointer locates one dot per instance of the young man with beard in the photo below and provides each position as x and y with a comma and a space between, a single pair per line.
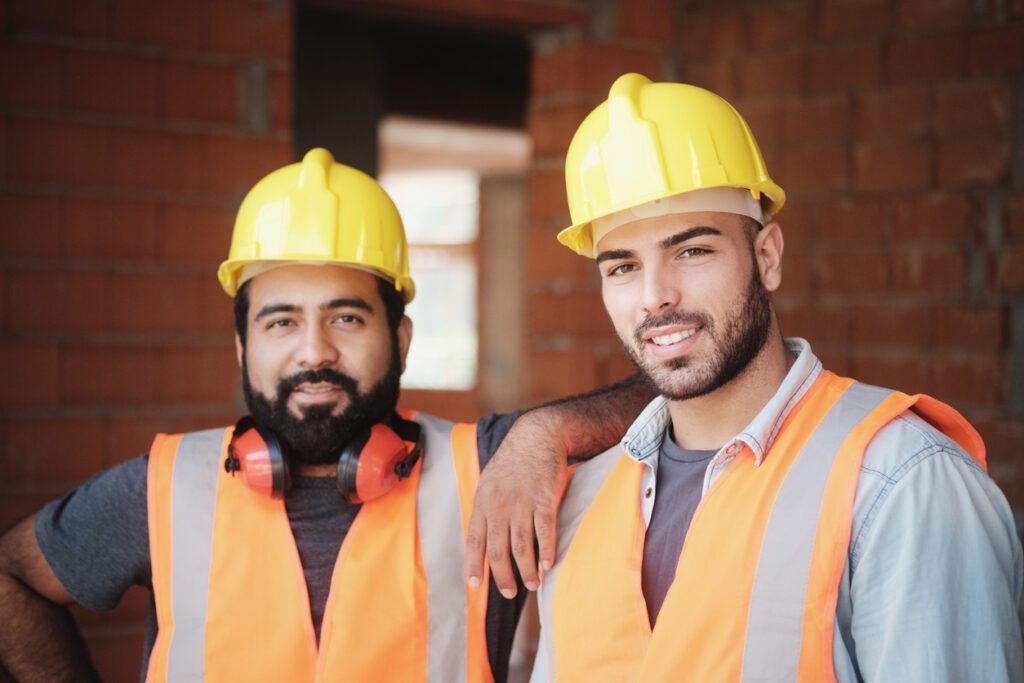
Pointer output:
763, 519
321, 538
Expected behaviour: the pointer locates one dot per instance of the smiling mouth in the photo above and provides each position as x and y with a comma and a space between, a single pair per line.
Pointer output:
316, 389
672, 338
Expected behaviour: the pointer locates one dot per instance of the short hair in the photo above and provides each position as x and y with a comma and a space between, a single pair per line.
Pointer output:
394, 308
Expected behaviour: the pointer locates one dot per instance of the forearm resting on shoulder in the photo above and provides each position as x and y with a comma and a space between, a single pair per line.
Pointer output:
519, 490
39, 640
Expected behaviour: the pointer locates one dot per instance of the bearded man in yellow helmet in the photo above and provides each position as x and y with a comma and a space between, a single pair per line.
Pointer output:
763, 519
320, 538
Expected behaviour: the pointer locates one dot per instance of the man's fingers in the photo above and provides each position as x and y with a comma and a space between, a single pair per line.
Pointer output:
522, 550
500, 560
544, 523
474, 562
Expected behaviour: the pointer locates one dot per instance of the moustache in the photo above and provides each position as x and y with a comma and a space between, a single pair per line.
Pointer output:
670, 318
286, 385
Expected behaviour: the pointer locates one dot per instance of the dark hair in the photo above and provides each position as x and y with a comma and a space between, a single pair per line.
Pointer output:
394, 308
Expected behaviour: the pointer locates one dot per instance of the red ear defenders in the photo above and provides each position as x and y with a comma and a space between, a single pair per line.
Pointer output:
368, 467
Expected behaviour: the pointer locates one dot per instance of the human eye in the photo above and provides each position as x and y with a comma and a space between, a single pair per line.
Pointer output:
348, 319
693, 252
279, 324
620, 269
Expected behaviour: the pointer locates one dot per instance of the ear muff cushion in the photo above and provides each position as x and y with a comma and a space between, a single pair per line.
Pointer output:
261, 464
366, 469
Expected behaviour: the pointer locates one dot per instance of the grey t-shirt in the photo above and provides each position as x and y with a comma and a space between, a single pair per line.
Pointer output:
96, 540
678, 490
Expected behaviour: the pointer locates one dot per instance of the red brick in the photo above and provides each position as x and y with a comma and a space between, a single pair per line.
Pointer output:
108, 83
718, 75
972, 108
194, 233
770, 74
932, 13
997, 51
778, 25
258, 29
16, 505
817, 118
1004, 439
110, 230
1015, 218
887, 325
561, 373
1011, 270
218, 307
892, 165
907, 373
5, 147
967, 162
712, 33
839, 19
614, 367
546, 259
925, 57
799, 223
155, 302
646, 20
128, 437
108, 375
30, 227
32, 75
975, 329
764, 118
844, 66
852, 270
197, 375
898, 112
58, 302
814, 169
552, 128
973, 380
932, 219
797, 272
57, 152
588, 68
281, 99
547, 195
818, 323
79, 18
30, 375
63, 451
235, 164
156, 161
934, 271
202, 92
860, 220
577, 313
181, 24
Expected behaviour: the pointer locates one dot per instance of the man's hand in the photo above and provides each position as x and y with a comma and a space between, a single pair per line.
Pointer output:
517, 497
520, 489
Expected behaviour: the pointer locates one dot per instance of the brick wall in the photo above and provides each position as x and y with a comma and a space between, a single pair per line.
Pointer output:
128, 133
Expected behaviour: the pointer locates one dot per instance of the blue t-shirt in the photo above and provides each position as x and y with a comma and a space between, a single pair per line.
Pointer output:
96, 541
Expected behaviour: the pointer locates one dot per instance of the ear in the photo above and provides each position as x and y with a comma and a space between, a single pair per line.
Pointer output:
768, 247
404, 338
239, 349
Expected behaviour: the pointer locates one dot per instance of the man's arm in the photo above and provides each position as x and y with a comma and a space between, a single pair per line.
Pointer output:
39, 641
520, 488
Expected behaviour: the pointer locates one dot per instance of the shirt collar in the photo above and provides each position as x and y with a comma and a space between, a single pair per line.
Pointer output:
643, 439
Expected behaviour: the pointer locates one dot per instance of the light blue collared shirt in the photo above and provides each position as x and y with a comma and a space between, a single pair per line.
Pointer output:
934, 578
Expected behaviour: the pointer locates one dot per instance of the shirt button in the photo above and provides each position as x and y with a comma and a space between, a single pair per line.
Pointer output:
649, 492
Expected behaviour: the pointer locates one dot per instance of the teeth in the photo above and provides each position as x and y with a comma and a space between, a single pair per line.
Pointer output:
675, 337
317, 390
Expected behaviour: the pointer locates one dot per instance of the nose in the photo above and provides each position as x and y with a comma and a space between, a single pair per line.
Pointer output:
661, 290
317, 349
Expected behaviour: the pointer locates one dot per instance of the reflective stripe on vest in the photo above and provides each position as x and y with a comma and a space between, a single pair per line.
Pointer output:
761, 563
231, 597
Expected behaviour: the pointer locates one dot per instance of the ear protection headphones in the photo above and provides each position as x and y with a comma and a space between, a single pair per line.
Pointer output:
368, 467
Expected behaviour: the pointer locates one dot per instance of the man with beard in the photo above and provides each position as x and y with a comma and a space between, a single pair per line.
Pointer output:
763, 519
322, 537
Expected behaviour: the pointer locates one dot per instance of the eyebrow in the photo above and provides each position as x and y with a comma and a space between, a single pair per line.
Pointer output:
271, 309
666, 243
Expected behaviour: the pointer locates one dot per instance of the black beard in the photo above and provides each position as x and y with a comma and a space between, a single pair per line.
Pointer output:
318, 437
743, 337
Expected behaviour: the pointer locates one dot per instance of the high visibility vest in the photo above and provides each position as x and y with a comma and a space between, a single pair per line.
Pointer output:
755, 590
231, 600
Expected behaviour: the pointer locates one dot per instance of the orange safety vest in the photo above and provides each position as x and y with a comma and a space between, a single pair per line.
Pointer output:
755, 590
231, 600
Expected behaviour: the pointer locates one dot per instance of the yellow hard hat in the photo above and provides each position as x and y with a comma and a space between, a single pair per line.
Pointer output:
650, 141
319, 211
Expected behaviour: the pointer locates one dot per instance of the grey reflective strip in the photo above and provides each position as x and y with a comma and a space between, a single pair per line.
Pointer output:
775, 622
193, 499
439, 518
587, 479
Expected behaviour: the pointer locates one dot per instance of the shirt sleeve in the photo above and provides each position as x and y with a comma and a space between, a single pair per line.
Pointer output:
490, 432
96, 538
936, 575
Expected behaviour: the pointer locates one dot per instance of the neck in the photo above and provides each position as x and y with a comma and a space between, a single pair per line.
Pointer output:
707, 422
317, 470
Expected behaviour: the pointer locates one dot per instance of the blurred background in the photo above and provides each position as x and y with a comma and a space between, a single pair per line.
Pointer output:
131, 129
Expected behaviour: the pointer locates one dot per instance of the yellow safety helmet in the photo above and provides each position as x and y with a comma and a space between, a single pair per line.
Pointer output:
319, 211
650, 141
